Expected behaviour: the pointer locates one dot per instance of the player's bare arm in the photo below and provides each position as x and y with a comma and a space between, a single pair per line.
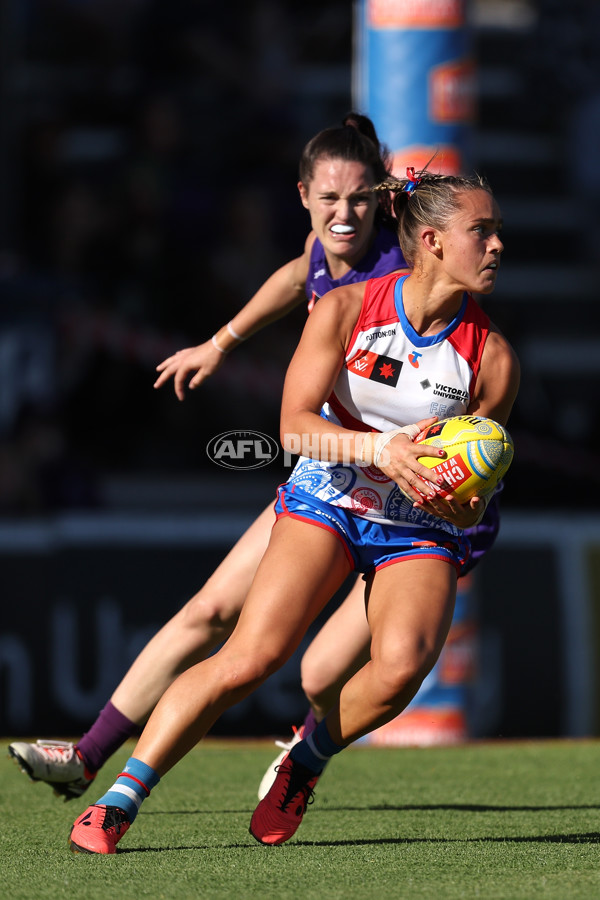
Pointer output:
281, 292
498, 380
322, 351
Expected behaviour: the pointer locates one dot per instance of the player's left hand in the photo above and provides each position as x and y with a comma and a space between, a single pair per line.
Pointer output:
463, 515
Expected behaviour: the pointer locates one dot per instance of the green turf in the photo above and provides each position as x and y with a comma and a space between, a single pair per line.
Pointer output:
500, 820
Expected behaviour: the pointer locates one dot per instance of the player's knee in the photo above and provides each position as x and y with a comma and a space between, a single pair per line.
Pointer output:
246, 672
271, 659
240, 680
314, 684
396, 677
210, 610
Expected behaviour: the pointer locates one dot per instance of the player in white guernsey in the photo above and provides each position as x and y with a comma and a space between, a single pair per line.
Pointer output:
448, 227
353, 237
389, 378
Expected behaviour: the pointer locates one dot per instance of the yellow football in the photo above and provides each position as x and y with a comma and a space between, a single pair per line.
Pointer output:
479, 453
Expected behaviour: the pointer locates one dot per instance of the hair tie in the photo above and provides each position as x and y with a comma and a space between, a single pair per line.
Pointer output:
413, 181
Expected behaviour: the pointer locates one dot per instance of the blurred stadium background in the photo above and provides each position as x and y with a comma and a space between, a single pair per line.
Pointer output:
148, 168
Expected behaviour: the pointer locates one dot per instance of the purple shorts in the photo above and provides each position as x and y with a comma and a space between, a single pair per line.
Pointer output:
482, 536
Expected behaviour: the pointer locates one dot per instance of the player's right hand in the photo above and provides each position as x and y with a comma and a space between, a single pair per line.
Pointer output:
402, 465
204, 360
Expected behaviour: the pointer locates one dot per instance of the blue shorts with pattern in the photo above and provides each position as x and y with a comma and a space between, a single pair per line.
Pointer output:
372, 545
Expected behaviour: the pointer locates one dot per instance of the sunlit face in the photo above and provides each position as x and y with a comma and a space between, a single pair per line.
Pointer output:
342, 209
471, 243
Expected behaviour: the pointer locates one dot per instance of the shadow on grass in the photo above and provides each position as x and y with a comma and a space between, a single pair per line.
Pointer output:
385, 807
577, 838
592, 837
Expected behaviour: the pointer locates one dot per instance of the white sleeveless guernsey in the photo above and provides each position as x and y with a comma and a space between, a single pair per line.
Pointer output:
392, 377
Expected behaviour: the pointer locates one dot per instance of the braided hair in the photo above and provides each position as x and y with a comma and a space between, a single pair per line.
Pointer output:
426, 198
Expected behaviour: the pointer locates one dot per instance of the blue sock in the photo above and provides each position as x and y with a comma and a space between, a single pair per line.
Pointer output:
131, 787
316, 750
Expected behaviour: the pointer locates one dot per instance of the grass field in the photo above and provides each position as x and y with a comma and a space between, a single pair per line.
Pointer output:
497, 820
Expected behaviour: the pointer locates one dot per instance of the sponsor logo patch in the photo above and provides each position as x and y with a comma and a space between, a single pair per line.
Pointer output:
454, 470
375, 367
449, 392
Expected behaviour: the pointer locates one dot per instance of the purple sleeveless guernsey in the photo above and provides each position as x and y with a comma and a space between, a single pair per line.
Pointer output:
383, 257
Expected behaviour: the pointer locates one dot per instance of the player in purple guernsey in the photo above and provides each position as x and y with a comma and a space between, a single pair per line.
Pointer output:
383, 257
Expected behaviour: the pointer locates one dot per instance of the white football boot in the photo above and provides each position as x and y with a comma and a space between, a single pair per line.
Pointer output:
57, 763
271, 773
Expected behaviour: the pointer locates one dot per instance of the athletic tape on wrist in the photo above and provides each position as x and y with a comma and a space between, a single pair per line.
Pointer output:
375, 443
234, 333
220, 349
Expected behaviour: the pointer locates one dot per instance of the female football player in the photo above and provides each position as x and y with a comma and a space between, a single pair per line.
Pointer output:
358, 500
353, 237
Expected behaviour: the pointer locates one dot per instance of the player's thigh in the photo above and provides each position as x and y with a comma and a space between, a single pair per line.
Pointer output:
222, 596
302, 568
341, 646
409, 610
242, 560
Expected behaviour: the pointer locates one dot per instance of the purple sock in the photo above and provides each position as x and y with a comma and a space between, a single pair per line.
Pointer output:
310, 723
109, 731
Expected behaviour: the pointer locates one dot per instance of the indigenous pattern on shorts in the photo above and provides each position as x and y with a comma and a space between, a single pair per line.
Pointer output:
372, 545
383, 257
393, 376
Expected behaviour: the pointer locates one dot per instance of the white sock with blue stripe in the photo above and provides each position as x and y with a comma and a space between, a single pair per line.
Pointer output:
131, 788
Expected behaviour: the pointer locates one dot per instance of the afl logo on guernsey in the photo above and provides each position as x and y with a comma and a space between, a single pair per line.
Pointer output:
242, 449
